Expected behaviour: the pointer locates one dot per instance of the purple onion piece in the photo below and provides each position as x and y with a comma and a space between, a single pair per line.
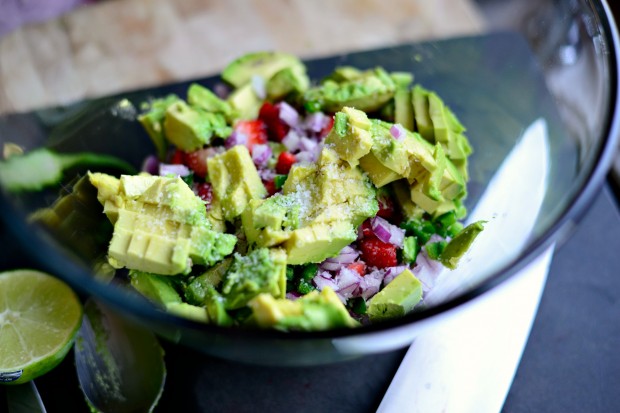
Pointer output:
321, 282
292, 295
393, 272
307, 144
236, 138
292, 141
305, 156
387, 232
173, 169
289, 115
258, 85
397, 131
261, 154
151, 165
330, 266
315, 122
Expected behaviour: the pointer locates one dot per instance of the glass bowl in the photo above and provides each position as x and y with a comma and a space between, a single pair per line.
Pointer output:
535, 83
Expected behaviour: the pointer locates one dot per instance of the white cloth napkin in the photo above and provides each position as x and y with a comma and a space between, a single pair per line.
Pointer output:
467, 363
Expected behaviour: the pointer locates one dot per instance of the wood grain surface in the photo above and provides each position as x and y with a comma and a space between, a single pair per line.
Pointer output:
119, 45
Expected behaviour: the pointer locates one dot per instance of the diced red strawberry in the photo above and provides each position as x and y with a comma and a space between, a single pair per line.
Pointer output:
270, 186
328, 127
285, 161
197, 161
178, 157
367, 229
386, 206
377, 253
358, 266
276, 128
255, 130
205, 192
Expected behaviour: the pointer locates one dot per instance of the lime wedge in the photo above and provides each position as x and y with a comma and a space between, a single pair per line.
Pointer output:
39, 318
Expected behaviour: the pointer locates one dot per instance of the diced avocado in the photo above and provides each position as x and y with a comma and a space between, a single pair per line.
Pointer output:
367, 92
403, 108
196, 290
314, 311
160, 225
397, 298
201, 97
153, 122
191, 128
438, 118
158, 289
379, 174
402, 80
403, 199
423, 122
350, 137
290, 80
265, 64
189, 311
245, 102
436, 175
316, 242
216, 308
458, 245
235, 180
267, 223
345, 73
261, 271
419, 195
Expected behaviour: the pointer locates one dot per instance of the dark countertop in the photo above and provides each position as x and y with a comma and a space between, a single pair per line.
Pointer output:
571, 362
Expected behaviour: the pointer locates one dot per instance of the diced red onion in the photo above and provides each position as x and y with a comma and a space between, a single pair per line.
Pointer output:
292, 141
307, 144
266, 174
387, 232
305, 156
173, 169
330, 266
321, 282
397, 131
393, 272
151, 165
426, 270
221, 90
348, 282
347, 255
261, 154
258, 85
288, 114
371, 283
315, 122
292, 295
236, 138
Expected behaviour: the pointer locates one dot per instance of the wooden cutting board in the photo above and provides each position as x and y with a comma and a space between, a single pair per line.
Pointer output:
118, 45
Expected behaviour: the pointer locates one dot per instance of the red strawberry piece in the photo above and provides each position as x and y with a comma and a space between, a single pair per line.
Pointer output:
285, 161
178, 157
358, 266
327, 128
205, 192
367, 229
197, 161
270, 186
255, 130
386, 206
377, 253
276, 128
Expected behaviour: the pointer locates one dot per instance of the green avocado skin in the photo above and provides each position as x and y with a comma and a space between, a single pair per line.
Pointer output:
455, 249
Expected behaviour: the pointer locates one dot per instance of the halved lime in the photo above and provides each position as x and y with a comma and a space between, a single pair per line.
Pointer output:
39, 318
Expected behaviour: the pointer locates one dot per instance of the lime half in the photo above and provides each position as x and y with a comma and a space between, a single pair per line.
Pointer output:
39, 318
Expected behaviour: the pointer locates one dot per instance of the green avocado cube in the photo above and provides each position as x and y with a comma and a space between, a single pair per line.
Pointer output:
201, 97
156, 288
191, 128
265, 64
235, 180
350, 137
397, 298
153, 122
403, 108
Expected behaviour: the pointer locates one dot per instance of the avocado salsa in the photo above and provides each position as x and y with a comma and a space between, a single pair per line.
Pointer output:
290, 204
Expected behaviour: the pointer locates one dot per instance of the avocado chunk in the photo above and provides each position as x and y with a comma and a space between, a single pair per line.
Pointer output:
403, 109
397, 298
158, 289
350, 137
190, 128
459, 245
153, 122
314, 311
196, 290
188, 311
318, 212
235, 180
200, 97
245, 102
262, 270
368, 91
288, 81
265, 64
160, 225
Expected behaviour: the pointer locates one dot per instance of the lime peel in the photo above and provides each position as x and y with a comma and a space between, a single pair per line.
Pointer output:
39, 318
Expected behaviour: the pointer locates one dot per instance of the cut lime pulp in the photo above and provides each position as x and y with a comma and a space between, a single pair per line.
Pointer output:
39, 318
